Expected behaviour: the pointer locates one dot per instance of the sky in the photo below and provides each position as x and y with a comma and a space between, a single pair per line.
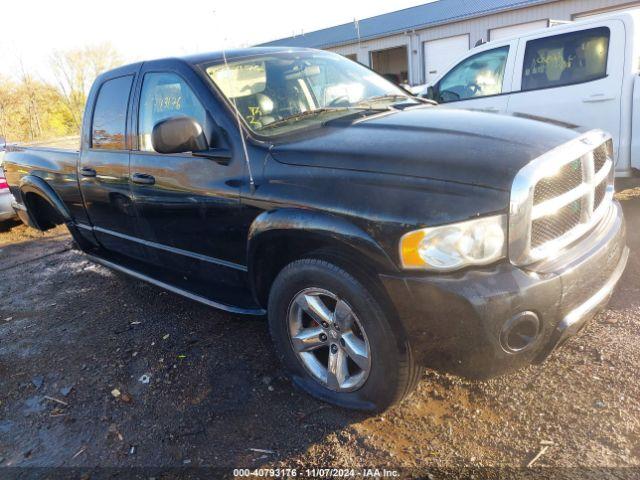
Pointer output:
31, 30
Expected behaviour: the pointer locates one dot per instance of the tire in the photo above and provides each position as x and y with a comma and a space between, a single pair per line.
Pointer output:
7, 225
383, 377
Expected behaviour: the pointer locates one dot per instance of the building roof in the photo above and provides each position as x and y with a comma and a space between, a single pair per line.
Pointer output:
413, 18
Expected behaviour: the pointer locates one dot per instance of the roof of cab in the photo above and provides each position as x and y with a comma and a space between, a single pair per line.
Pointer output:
234, 54
199, 58
123, 70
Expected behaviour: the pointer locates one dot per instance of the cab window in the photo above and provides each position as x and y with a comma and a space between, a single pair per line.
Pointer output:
566, 59
110, 114
165, 95
480, 75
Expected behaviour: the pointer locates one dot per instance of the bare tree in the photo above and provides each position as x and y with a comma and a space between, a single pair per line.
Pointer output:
5, 106
75, 71
31, 102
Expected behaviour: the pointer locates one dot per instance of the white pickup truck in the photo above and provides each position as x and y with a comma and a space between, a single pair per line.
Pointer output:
585, 73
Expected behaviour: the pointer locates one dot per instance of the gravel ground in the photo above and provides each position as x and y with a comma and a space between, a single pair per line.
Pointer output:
97, 369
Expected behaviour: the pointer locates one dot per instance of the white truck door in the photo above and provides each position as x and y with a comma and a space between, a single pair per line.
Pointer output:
574, 76
481, 81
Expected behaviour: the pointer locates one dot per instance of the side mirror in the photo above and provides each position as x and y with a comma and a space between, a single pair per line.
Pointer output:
178, 135
431, 93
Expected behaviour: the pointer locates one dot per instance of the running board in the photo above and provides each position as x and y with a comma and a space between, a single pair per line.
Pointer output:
176, 290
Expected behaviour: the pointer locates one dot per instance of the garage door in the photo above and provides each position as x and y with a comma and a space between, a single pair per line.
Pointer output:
515, 30
581, 16
439, 54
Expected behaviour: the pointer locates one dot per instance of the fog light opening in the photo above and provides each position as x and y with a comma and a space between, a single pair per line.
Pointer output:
520, 333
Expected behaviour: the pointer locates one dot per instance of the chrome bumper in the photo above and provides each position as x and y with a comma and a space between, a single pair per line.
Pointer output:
575, 320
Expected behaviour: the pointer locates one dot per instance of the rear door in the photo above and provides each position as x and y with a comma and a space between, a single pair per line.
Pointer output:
481, 81
104, 167
574, 77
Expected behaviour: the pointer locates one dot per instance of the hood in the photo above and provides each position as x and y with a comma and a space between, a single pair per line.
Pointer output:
470, 147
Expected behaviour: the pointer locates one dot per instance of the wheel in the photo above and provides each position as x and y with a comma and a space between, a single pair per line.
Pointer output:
336, 340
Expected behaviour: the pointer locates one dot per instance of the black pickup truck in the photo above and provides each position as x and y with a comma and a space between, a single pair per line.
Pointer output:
378, 233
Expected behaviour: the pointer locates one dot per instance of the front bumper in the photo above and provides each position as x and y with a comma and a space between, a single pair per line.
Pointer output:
454, 321
576, 319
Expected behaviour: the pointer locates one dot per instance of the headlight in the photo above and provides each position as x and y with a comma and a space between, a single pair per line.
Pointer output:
450, 247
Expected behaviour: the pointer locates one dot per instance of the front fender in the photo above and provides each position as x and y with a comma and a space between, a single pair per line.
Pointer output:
327, 229
306, 231
36, 185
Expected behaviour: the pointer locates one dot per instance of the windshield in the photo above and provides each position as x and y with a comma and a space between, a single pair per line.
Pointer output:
282, 92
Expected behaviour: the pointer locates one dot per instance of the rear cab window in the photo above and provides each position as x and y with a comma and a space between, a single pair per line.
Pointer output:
566, 59
108, 131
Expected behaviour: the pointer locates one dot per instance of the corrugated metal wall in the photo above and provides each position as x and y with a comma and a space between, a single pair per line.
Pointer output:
477, 28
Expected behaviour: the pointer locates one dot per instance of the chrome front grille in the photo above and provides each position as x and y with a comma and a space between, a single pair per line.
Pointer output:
559, 197
567, 178
600, 193
550, 227
600, 156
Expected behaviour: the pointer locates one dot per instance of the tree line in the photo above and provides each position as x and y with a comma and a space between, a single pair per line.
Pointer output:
32, 108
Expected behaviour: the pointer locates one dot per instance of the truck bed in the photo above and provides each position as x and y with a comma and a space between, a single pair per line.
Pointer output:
56, 166
63, 143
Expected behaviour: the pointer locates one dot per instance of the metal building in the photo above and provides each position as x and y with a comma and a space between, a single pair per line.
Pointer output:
415, 44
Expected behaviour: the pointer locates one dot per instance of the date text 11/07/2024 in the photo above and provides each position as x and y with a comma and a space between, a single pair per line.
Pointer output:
315, 473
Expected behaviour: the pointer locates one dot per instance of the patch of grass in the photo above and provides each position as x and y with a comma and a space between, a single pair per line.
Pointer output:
628, 194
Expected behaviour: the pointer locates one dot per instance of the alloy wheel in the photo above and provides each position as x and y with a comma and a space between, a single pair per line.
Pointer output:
329, 339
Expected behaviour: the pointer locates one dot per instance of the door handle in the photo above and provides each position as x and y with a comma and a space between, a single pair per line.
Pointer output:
597, 97
491, 109
143, 179
87, 172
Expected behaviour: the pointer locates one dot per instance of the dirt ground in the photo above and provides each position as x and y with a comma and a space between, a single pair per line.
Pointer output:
100, 370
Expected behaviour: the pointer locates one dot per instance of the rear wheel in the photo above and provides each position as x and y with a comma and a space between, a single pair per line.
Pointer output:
335, 338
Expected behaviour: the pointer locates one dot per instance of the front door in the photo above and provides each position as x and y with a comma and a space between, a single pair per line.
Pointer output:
188, 206
480, 82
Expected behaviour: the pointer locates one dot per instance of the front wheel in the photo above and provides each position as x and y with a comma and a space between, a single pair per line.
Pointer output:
336, 340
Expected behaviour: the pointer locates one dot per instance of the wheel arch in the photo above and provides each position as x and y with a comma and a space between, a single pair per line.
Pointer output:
279, 237
45, 209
